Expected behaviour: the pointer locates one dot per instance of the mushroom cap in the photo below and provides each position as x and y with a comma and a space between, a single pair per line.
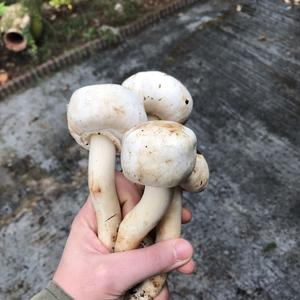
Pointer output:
107, 109
158, 153
164, 96
198, 179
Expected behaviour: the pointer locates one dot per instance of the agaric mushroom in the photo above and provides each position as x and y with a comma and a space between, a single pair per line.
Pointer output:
98, 116
165, 97
198, 180
170, 225
159, 155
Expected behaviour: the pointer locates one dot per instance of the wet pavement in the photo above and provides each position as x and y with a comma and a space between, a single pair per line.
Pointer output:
241, 64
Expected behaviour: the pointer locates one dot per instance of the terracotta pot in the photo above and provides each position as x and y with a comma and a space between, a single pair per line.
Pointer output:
15, 26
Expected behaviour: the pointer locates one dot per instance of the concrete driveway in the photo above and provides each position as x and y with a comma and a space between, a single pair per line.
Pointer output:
242, 68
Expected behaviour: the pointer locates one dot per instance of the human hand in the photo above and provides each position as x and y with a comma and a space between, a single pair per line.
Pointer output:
88, 271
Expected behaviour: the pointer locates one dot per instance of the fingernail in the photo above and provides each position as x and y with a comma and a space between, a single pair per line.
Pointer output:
182, 250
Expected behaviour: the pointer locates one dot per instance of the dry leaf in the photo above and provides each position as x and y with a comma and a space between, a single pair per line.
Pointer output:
3, 77
262, 37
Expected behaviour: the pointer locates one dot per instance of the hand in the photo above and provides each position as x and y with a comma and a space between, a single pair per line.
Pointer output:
88, 271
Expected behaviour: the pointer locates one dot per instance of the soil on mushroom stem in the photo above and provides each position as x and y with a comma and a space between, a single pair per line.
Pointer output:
66, 28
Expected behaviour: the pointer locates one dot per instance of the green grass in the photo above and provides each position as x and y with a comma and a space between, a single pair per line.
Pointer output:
2, 8
270, 247
72, 28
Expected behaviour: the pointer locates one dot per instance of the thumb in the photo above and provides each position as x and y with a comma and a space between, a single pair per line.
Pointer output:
132, 267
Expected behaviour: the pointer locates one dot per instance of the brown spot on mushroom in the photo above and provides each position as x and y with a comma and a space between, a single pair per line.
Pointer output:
159, 86
113, 238
173, 127
95, 189
142, 294
156, 284
170, 126
168, 161
119, 110
94, 186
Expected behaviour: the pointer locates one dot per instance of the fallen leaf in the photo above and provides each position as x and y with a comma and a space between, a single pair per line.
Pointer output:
262, 38
3, 77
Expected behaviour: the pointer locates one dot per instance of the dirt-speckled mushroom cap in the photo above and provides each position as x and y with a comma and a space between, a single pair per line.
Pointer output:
198, 179
107, 109
158, 153
164, 96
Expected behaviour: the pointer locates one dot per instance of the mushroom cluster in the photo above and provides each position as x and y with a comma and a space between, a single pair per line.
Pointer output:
142, 120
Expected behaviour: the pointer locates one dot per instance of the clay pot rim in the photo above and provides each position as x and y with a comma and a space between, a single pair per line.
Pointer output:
14, 46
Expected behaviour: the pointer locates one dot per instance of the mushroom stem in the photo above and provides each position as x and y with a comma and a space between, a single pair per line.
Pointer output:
101, 179
168, 228
143, 217
170, 225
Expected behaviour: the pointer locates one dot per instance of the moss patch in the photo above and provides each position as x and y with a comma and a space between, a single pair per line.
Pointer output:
270, 247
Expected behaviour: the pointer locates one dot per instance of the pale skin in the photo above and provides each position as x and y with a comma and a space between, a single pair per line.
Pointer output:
88, 270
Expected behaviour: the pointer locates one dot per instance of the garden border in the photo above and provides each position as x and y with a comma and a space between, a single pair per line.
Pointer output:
82, 52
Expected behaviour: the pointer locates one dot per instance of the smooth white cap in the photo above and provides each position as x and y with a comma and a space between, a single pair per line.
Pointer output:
107, 109
158, 153
198, 179
164, 96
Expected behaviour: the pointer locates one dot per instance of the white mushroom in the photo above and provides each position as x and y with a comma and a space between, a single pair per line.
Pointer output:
170, 225
159, 155
164, 96
98, 116
198, 180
